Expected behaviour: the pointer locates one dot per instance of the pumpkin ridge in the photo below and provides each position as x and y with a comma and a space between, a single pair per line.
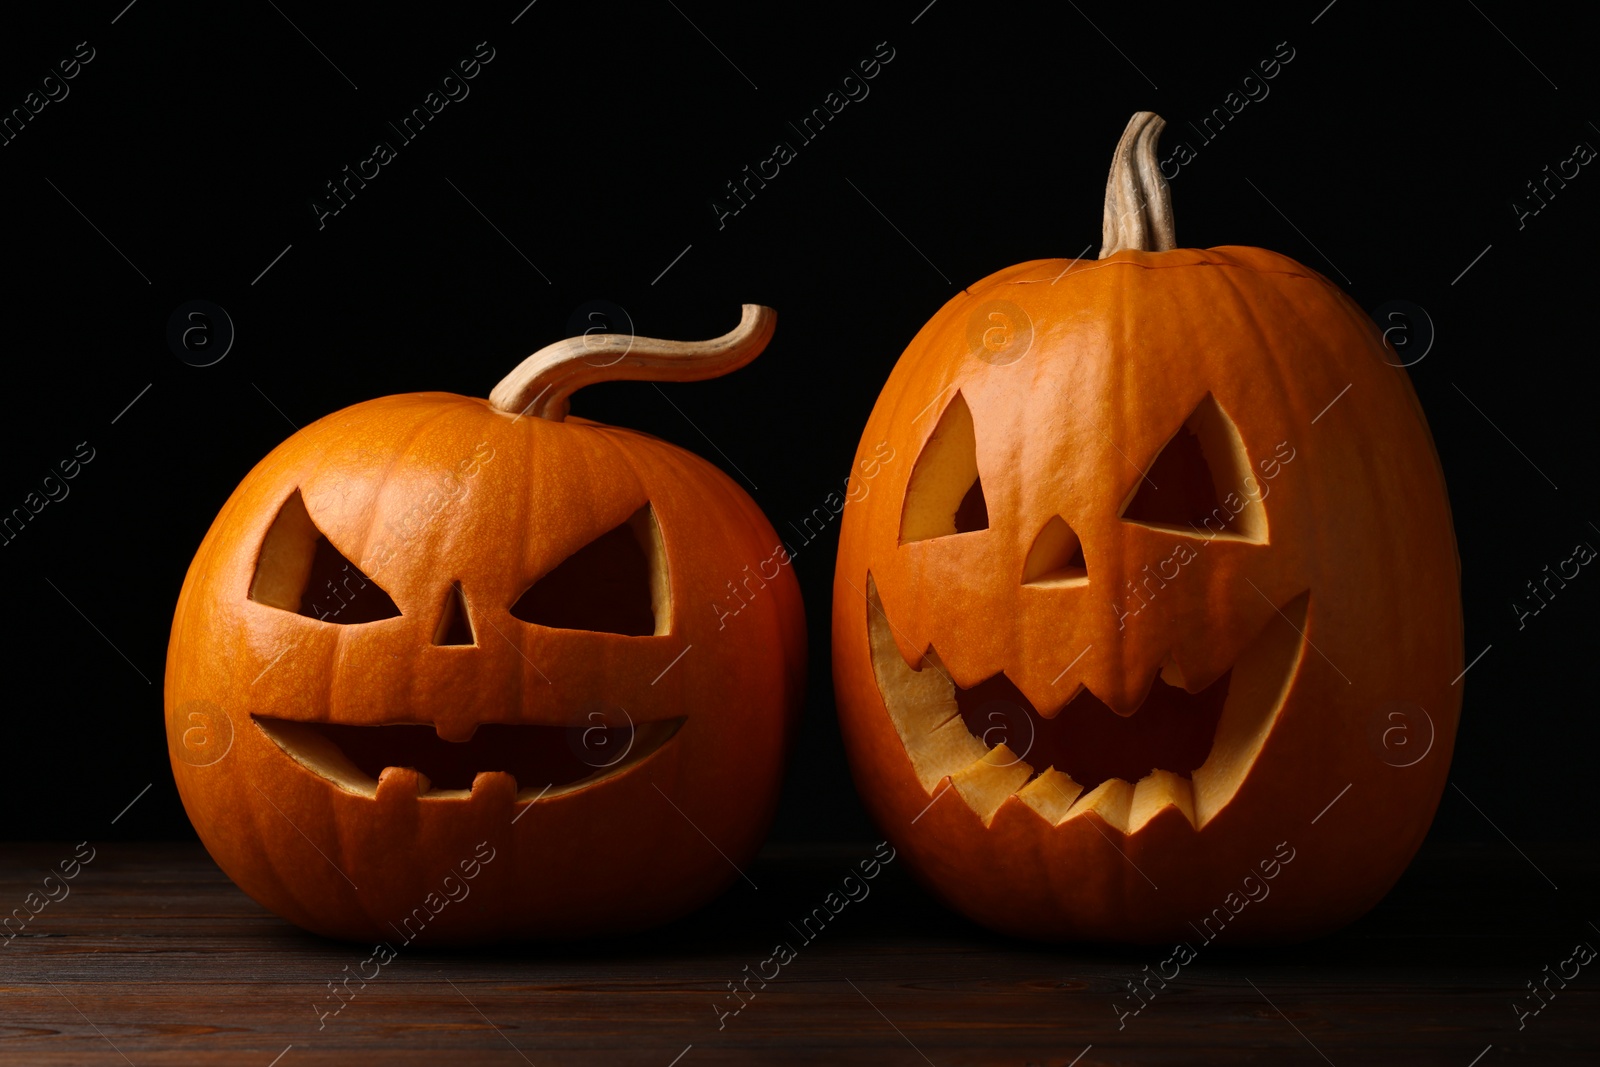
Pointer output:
398, 479
337, 649
396, 455
1343, 604
1113, 261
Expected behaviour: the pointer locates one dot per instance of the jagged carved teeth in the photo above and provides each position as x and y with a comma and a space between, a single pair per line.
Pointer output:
412, 759
1191, 751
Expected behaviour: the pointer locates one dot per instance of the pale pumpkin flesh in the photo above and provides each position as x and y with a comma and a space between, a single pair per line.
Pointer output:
440, 631
1214, 543
923, 704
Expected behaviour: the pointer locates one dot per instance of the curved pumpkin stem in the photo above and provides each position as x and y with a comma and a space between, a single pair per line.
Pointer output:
1138, 211
542, 384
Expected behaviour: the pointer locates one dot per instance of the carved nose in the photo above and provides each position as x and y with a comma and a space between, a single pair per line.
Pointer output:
455, 625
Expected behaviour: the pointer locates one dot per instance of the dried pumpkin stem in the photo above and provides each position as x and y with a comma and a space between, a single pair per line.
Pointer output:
1138, 204
543, 384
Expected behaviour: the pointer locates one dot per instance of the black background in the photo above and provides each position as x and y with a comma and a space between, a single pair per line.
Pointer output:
596, 141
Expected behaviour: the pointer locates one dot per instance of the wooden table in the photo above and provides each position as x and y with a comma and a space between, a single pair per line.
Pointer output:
155, 958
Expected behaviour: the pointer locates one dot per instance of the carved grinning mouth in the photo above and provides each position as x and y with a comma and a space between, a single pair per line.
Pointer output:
545, 761
1187, 750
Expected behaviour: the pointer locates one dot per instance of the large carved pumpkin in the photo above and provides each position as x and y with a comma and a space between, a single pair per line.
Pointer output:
442, 668
1167, 591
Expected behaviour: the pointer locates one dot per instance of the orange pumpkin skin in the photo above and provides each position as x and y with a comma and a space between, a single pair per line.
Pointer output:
1122, 350
432, 489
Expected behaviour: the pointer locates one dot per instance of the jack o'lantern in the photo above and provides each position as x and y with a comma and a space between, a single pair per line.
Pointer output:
442, 670
1174, 541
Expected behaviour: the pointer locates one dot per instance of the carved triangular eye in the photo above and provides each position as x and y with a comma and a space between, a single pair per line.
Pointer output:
615, 584
945, 494
1201, 482
1056, 557
299, 570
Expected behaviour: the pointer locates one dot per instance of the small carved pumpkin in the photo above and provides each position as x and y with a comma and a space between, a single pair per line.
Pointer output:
441, 669
1176, 538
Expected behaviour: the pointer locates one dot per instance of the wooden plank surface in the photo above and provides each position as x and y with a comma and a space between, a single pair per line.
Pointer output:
155, 958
